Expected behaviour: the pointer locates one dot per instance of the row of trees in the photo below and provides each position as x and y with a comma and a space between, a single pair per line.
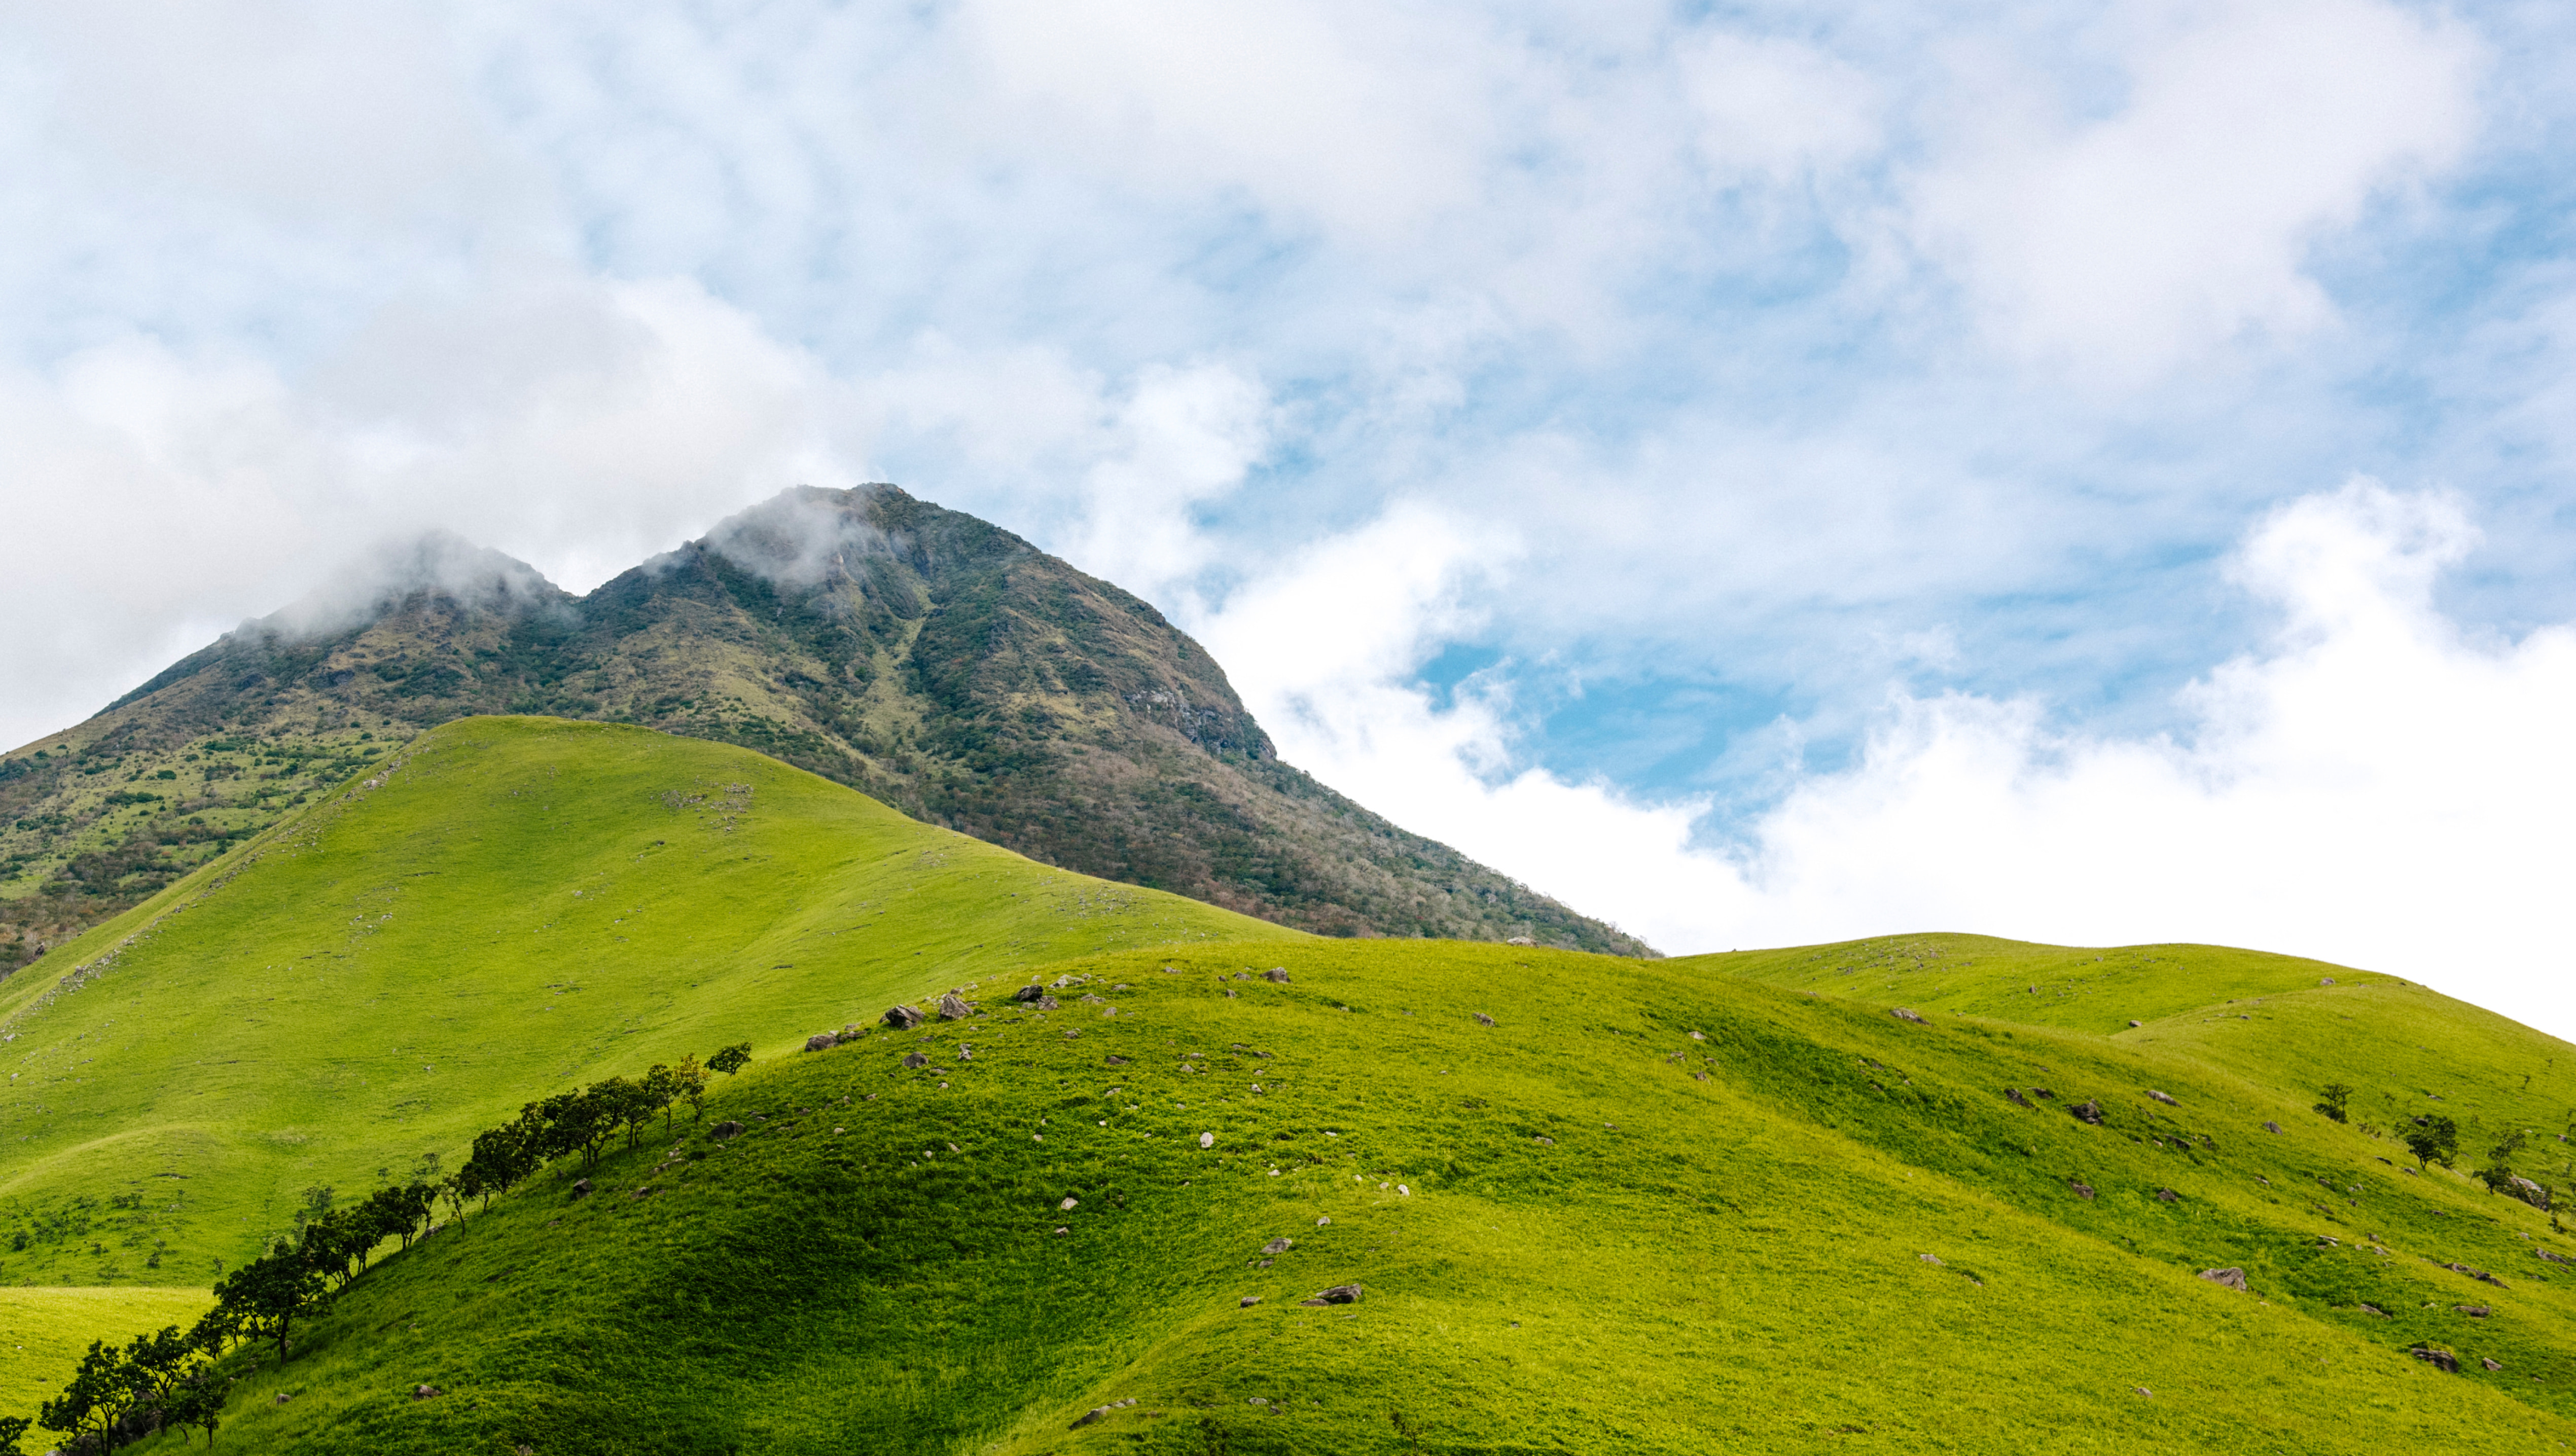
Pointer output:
2434, 1139
169, 1380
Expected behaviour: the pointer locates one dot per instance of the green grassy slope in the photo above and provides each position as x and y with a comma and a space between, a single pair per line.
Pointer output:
505, 908
43, 1333
1580, 1228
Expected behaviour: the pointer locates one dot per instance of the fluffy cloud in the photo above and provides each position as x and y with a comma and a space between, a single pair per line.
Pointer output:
2132, 238
2376, 786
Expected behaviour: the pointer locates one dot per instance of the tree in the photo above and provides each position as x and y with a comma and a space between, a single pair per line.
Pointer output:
732, 1059
2433, 1140
2334, 1094
12, 1428
198, 1401
93, 1400
271, 1292
693, 1087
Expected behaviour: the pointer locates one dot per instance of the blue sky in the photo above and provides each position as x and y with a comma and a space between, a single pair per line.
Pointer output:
1659, 448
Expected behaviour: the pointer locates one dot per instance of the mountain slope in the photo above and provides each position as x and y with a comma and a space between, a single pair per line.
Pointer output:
920, 655
503, 908
1581, 1227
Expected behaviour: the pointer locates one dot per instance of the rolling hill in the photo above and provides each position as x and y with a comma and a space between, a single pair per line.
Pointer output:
1591, 1203
934, 661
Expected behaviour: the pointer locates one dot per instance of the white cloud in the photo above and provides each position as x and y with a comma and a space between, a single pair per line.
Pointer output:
2132, 240
2375, 787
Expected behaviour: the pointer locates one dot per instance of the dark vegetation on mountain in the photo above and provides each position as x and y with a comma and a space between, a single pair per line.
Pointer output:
922, 656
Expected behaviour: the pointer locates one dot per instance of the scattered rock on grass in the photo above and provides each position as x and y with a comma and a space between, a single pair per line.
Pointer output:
582, 1188
1902, 1014
1276, 1246
916, 1059
2271, 1127
1248, 1301
2232, 1278
902, 1018
1207, 1140
1097, 1412
2135, 1024
2167, 1195
1932, 1259
2473, 1311
2438, 1359
1338, 1294
953, 1007
1278, 974
1482, 1019
822, 1041
2160, 1097
2491, 1362
726, 1129
1520, 940
1029, 992
2478, 1274
2013, 1095
2082, 1190
424, 1392
2374, 1309
2086, 1112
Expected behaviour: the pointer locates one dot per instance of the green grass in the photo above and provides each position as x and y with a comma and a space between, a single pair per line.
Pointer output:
1728, 1264
510, 907
44, 1332
1580, 1228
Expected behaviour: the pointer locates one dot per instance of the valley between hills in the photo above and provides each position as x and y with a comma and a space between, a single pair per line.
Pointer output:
858, 984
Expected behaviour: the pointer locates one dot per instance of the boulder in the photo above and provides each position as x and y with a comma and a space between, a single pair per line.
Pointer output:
2135, 1024
1902, 1014
2473, 1311
424, 1392
1069, 1203
2081, 1190
1048, 1003
2325, 981
822, 1041
2528, 1191
2271, 1127
1276, 1246
2232, 1278
724, 1130
1029, 992
2160, 1097
1278, 974
1248, 1301
916, 1059
1207, 1140
1932, 1259
581, 1189
953, 1007
2438, 1359
2491, 1362
1482, 1019
1338, 1294
2167, 1195
2086, 1112
965, 1053
1097, 1412
2013, 1095
902, 1018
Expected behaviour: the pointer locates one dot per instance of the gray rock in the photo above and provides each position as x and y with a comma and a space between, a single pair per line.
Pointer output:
2374, 1309
2086, 1112
1276, 1246
2081, 1190
965, 1053
1520, 940
1048, 1003
1117, 1061
2160, 1097
1207, 1140
2137, 1023
2438, 1359
916, 1059
2013, 1095
2529, 1192
1932, 1259
2480, 1275
1902, 1014
582, 1188
1248, 1301
1338, 1294
2271, 1127
821, 1041
2232, 1278
902, 1018
2491, 1362
1278, 974
2167, 1195
724, 1130
1030, 992
424, 1392
2473, 1311
1482, 1019
953, 1007
1097, 1412
2326, 981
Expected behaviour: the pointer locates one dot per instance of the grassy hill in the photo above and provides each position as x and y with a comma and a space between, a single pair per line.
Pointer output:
930, 659
502, 908
1593, 1203
1579, 1228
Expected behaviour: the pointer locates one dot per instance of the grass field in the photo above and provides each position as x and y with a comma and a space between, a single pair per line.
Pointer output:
1728, 1203
510, 907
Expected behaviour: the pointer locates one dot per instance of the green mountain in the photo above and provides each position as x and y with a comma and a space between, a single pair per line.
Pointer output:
1922, 1193
931, 660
